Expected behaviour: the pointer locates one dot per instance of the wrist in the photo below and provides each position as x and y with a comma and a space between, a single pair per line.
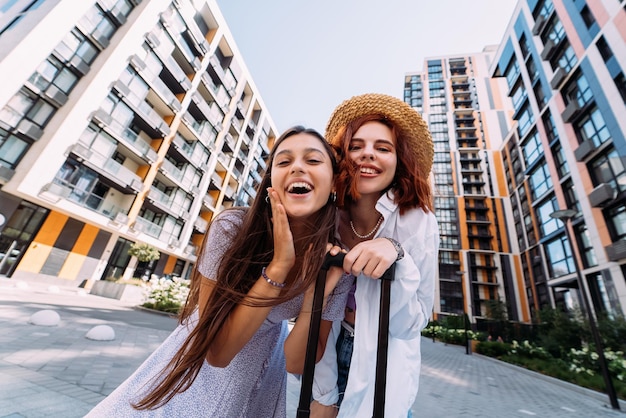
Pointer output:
397, 247
274, 276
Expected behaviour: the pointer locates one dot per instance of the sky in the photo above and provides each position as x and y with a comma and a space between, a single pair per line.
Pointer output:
306, 57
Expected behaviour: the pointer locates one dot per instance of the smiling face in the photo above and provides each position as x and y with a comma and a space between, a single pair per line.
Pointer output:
373, 149
302, 174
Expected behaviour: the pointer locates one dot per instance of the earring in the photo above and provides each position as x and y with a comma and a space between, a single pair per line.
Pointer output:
333, 197
267, 198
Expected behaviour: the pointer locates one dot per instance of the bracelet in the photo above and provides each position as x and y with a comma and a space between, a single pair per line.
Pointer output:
270, 281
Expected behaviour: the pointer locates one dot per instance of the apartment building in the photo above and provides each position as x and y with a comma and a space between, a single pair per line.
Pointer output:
121, 122
564, 62
469, 117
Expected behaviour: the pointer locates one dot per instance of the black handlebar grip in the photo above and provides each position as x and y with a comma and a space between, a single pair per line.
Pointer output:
333, 260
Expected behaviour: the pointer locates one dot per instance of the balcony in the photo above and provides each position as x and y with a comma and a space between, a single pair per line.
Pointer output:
209, 201
162, 51
167, 203
29, 129
201, 225
217, 67
549, 50
107, 167
216, 181
195, 154
58, 189
540, 22
143, 109
601, 195
6, 174
125, 136
156, 84
203, 130
584, 150
571, 111
616, 251
559, 77
147, 227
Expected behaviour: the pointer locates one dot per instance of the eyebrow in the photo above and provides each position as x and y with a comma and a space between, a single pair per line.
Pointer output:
385, 141
306, 151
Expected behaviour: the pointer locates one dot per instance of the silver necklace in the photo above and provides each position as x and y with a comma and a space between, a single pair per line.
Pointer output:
369, 234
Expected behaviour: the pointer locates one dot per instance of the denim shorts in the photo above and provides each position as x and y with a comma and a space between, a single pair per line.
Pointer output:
344, 346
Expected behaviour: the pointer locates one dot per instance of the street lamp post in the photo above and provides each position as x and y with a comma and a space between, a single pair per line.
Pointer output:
565, 216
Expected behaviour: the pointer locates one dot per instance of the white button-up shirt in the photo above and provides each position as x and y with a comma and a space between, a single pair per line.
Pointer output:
412, 294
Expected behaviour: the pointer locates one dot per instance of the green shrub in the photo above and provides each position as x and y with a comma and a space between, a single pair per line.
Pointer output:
167, 295
493, 348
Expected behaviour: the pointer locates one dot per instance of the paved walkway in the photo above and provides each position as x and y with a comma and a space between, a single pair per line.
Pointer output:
57, 372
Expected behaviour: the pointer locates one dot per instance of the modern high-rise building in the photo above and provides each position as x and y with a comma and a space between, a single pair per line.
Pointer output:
564, 62
534, 125
469, 119
121, 122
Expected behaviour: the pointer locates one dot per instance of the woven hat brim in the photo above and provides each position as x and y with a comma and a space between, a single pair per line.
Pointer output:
409, 122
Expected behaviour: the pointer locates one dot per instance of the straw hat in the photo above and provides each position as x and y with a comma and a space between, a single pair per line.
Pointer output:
411, 125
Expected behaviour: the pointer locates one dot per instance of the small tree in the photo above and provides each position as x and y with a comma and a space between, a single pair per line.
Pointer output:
147, 255
144, 252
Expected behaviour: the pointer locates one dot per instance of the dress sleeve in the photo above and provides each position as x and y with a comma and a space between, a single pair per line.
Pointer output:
219, 238
336, 304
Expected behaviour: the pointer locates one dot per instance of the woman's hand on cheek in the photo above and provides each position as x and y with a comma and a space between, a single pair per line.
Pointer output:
284, 252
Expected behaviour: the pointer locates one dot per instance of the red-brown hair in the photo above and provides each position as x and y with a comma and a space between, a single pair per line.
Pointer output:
410, 184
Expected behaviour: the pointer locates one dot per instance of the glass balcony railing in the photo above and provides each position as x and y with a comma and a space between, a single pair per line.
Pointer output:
132, 140
105, 165
147, 227
167, 203
83, 198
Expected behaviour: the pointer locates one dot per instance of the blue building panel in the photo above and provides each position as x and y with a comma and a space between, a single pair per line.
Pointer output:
574, 12
505, 57
603, 104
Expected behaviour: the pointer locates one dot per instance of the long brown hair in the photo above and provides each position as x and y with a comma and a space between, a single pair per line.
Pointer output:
239, 269
410, 186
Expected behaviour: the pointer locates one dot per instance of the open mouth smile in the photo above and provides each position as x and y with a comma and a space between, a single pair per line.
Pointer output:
299, 188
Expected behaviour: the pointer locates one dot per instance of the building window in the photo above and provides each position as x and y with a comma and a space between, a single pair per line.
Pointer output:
616, 218
559, 160
554, 32
511, 73
75, 44
540, 181
620, 83
532, 69
571, 200
523, 44
543, 8
578, 91
518, 96
604, 49
567, 59
587, 16
608, 168
547, 224
12, 149
560, 258
53, 72
532, 148
95, 23
592, 128
525, 121
585, 247
548, 124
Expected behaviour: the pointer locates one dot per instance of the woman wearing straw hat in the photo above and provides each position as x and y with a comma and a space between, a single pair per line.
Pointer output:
385, 156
